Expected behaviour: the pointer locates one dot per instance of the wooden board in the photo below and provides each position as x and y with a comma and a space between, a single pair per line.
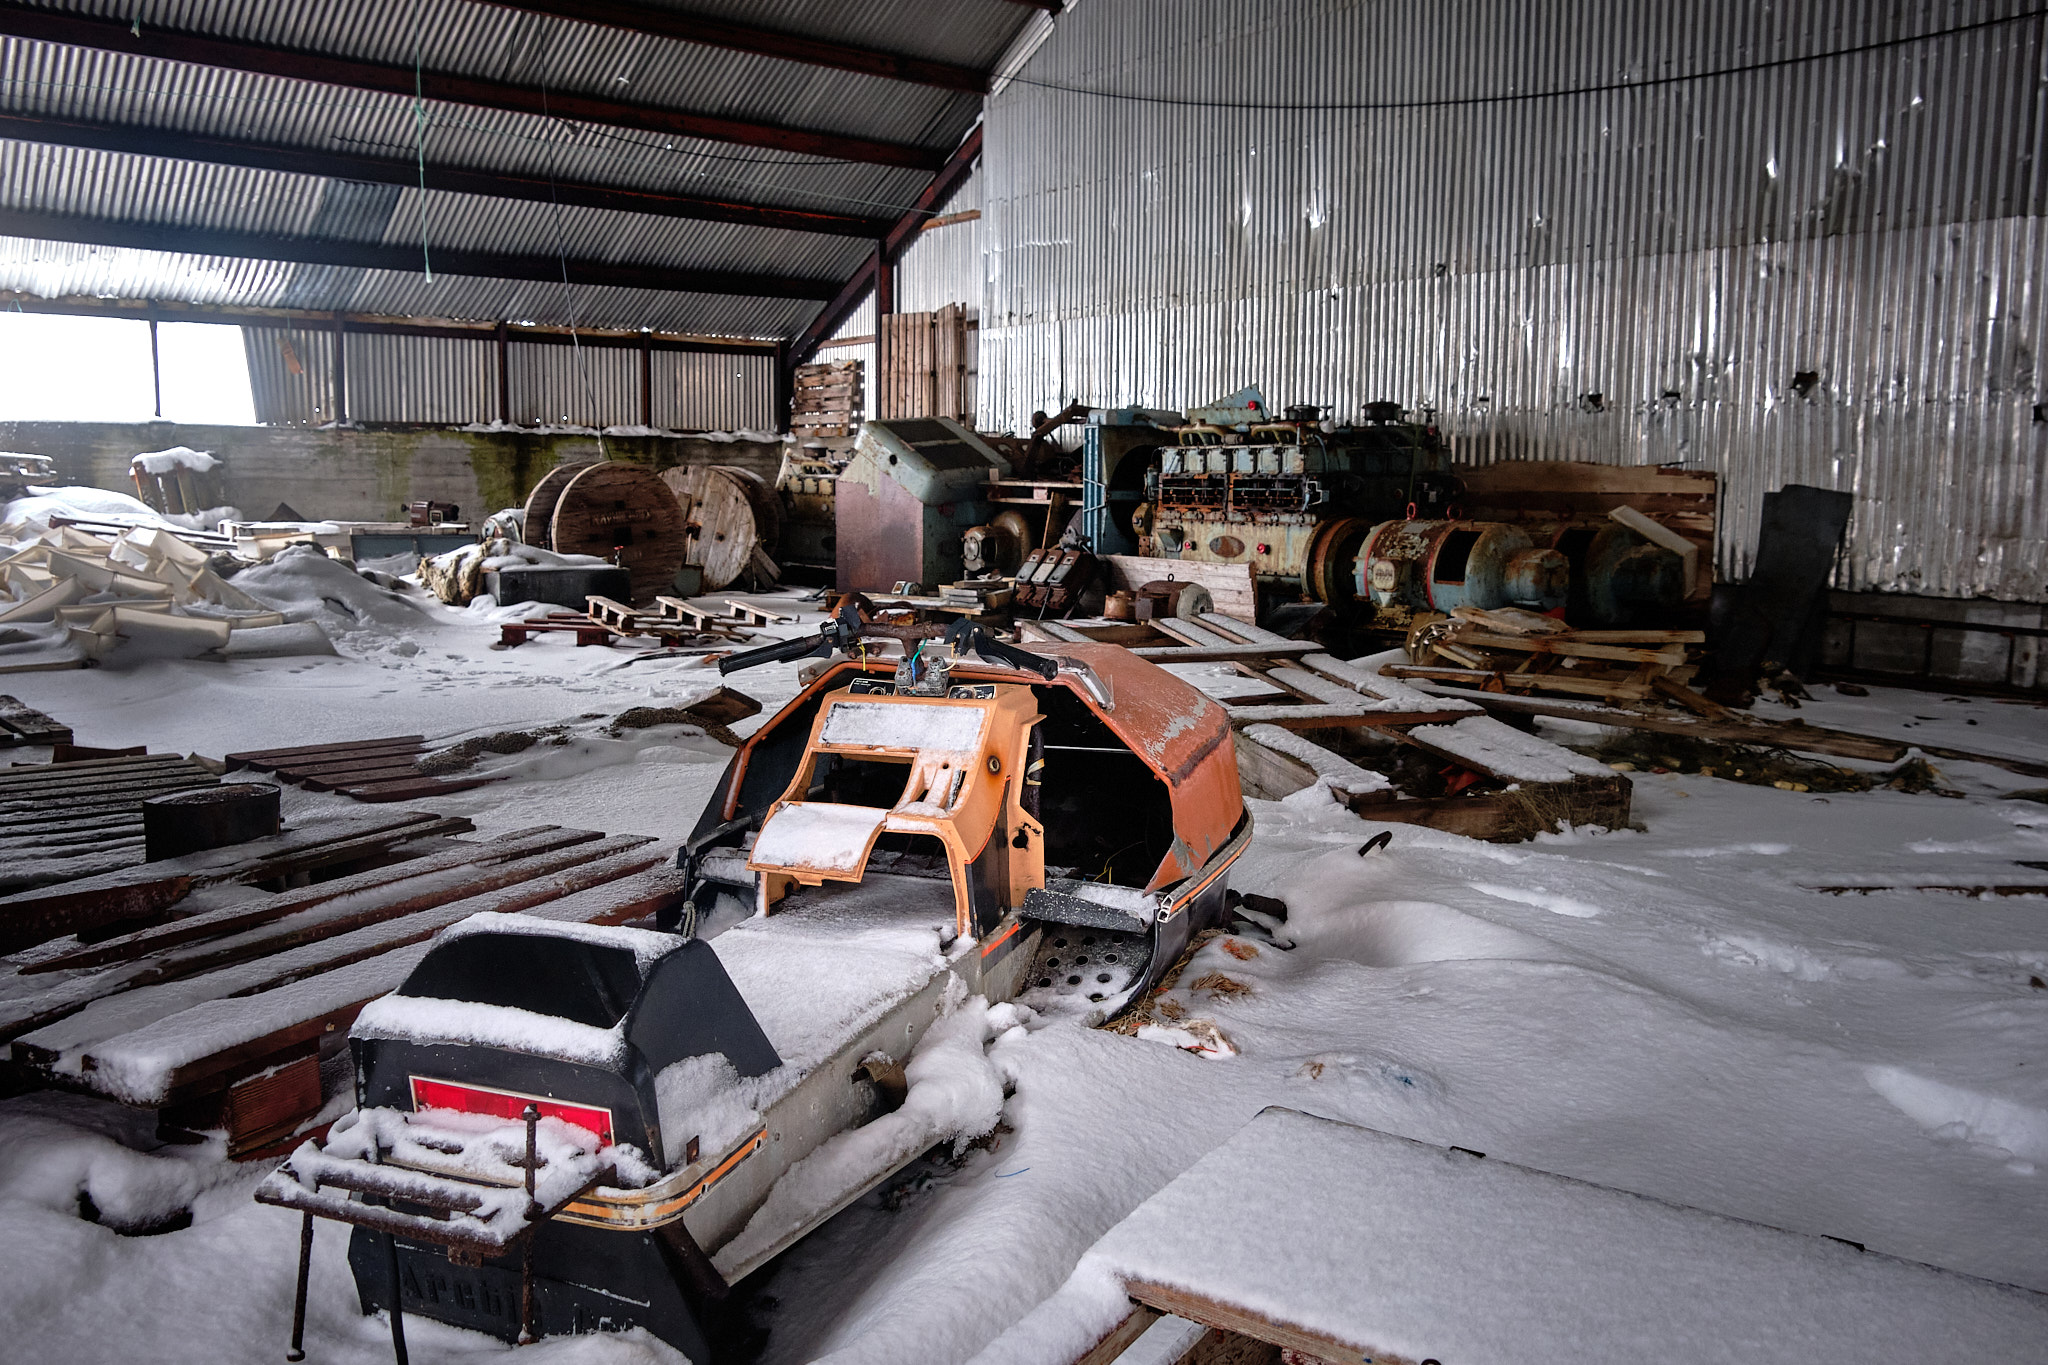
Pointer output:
623, 513
732, 512
1230, 585
540, 503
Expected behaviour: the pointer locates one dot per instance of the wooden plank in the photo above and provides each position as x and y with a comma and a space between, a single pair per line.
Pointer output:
1243, 630
1188, 633
1552, 682
142, 1003
1569, 647
345, 778
1188, 654
243, 760
1511, 620
34, 916
34, 775
1232, 1318
1230, 585
616, 892
21, 723
1327, 717
414, 788
1806, 738
1119, 1337
233, 918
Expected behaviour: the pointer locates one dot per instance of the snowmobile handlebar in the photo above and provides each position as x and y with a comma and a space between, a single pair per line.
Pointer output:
965, 636
845, 629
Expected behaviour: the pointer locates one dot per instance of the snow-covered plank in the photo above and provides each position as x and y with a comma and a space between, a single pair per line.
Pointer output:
1421, 1252
1392, 692
1188, 633
1322, 689
63, 1046
1243, 630
147, 1064
1489, 746
1343, 775
1317, 716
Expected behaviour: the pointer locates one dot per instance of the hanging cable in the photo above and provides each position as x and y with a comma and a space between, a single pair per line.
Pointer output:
419, 126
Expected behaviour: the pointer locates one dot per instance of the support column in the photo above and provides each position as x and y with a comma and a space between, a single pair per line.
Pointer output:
646, 378
505, 374
156, 370
340, 377
885, 306
784, 392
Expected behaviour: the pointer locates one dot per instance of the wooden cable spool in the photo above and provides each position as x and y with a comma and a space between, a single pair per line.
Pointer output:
732, 512
540, 503
625, 514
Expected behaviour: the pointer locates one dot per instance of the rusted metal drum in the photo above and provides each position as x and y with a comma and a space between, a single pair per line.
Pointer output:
211, 817
1617, 577
1441, 565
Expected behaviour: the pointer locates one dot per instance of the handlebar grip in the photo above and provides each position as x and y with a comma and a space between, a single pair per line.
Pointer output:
770, 654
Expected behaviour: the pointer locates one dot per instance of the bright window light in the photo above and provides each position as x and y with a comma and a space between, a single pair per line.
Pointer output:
84, 369
59, 369
206, 374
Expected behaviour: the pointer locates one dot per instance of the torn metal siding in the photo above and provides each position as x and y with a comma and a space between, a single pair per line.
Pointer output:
1485, 247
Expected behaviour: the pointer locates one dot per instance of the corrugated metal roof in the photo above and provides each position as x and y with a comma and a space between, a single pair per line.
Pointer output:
1499, 210
500, 44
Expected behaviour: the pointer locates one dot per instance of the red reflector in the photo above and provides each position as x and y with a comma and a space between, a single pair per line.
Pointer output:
508, 1104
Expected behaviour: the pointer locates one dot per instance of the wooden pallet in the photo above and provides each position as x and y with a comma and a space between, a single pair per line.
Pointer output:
23, 724
511, 634
1510, 650
64, 820
366, 769
669, 629
709, 620
214, 1013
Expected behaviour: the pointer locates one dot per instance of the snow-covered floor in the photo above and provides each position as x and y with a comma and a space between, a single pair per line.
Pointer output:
1670, 1011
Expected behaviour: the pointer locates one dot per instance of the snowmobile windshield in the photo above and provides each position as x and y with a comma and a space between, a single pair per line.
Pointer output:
586, 983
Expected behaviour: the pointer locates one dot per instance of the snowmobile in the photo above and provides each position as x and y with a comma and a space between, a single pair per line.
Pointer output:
564, 1128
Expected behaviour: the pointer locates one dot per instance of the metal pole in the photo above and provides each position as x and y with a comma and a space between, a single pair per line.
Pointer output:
376, 1158
298, 1349
156, 370
504, 374
646, 379
526, 1323
886, 404
340, 373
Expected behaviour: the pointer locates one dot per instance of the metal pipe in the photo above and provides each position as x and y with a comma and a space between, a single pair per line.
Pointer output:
340, 373
375, 1156
526, 1333
298, 1346
156, 369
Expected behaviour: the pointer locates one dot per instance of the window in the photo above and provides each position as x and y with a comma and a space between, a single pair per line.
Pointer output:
96, 369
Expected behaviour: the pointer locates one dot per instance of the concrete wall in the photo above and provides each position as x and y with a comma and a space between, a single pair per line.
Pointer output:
361, 475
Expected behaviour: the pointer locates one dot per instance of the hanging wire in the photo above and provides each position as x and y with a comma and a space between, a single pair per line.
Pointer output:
539, 67
419, 124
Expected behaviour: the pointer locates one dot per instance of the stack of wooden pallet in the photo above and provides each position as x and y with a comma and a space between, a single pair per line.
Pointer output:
1512, 650
23, 724
828, 400
225, 983
64, 820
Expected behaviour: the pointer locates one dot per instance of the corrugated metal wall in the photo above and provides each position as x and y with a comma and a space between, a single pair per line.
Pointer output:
1609, 230
453, 381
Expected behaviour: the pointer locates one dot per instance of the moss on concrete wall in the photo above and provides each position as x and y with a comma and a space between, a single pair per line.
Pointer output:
357, 474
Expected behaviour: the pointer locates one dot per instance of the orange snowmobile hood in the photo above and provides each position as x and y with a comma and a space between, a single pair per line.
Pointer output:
1178, 731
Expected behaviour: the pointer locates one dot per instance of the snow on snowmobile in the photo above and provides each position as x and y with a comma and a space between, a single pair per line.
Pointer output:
565, 1128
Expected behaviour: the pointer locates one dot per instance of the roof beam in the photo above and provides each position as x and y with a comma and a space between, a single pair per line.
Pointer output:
20, 21
53, 227
761, 42
951, 176
394, 171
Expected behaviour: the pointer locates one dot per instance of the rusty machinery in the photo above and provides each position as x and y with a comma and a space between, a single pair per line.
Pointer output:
1362, 518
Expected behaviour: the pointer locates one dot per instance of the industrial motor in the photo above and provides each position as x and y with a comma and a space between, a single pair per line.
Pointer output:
1439, 565
1617, 577
1269, 497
